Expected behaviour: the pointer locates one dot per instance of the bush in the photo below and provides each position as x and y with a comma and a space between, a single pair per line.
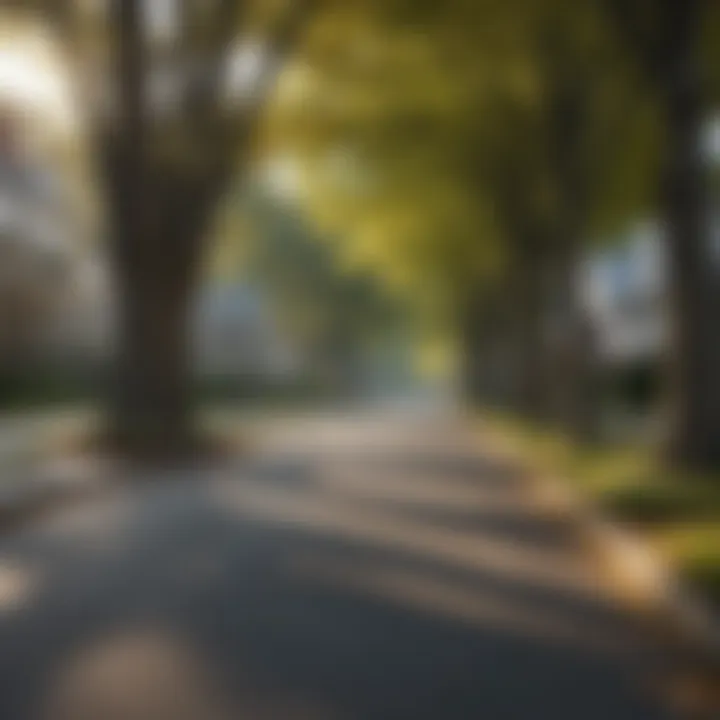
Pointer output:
636, 386
32, 386
662, 501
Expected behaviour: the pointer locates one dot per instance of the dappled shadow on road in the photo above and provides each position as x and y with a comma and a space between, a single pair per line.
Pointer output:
318, 580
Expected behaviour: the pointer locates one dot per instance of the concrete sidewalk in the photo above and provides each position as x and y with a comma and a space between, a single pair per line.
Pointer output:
352, 567
32, 476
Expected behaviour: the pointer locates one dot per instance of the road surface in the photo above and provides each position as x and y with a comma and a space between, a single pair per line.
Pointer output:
346, 568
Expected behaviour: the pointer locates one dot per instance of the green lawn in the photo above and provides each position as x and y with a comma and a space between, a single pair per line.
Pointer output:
677, 512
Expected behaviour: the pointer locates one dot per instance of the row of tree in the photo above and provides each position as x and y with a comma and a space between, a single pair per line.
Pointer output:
469, 151
489, 146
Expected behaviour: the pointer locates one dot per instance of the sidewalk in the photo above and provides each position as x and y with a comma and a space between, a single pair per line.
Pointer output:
31, 477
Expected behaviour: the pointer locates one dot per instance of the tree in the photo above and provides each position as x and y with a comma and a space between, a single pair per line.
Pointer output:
168, 134
381, 137
476, 168
668, 42
331, 314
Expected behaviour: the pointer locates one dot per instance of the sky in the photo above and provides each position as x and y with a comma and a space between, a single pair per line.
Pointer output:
30, 78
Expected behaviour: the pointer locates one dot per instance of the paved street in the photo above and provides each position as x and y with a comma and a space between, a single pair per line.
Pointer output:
349, 568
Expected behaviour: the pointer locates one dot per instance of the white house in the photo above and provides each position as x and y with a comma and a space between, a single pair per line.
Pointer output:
234, 334
625, 284
624, 288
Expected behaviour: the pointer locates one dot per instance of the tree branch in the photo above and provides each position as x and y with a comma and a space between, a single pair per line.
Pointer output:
234, 127
640, 26
123, 151
57, 15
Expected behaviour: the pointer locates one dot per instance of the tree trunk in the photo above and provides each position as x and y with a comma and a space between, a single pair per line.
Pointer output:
156, 242
573, 377
483, 340
569, 114
150, 404
157, 213
473, 360
694, 368
530, 346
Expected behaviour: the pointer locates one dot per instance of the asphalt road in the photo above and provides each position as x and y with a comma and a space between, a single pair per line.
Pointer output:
359, 568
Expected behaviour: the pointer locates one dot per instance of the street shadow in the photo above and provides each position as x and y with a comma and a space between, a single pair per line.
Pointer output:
258, 591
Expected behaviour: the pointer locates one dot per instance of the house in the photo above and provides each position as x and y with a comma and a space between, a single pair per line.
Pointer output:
35, 252
625, 284
625, 294
234, 334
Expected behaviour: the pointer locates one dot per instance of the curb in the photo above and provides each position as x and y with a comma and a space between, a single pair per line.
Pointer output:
679, 615
48, 486
645, 573
650, 581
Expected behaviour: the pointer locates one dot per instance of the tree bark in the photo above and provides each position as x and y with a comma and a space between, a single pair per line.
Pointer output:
574, 399
150, 403
155, 266
530, 350
573, 373
157, 214
473, 365
483, 339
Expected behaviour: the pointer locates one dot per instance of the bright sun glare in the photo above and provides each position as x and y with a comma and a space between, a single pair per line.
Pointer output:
31, 80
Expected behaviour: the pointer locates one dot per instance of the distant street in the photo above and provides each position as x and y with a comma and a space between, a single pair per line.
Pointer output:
346, 567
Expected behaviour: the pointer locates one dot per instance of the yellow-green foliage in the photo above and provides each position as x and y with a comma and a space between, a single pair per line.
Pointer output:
421, 132
678, 512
